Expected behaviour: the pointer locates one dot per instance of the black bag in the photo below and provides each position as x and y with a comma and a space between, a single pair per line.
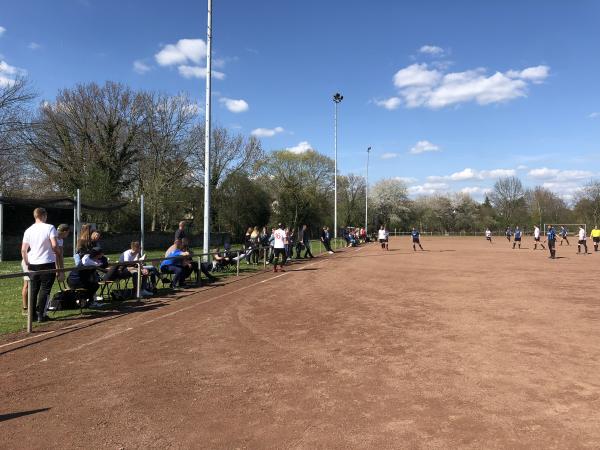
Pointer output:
64, 300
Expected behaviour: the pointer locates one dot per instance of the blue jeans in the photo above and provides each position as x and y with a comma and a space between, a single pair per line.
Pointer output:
178, 274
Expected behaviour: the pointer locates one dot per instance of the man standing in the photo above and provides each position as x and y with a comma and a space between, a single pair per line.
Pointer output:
551, 234
517, 238
536, 238
595, 235
582, 241
416, 239
304, 238
180, 233
279, 247
563, 235
39, 251
326, 239
382, 237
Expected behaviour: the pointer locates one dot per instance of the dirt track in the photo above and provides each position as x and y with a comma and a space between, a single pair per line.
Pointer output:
464, 346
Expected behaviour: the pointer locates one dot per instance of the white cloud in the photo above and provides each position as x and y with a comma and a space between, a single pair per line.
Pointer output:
522, 167
302, 147
2, 31
235, 106
184, 51
422, 86
8, 73
431, 50
389, 103
470, 174
416, 75
556, 175
594, 115
407, 180
141, 67
428, 188
389, 155
34, 46
198, 72
266, 132
423, 147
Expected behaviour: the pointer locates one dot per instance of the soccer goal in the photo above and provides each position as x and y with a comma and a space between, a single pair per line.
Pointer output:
572, 228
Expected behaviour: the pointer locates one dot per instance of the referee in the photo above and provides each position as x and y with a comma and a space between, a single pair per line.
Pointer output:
595, 235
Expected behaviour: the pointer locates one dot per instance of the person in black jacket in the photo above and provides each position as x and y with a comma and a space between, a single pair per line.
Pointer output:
326, 239
304, 241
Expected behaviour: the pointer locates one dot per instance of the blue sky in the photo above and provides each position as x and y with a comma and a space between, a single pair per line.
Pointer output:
450, 95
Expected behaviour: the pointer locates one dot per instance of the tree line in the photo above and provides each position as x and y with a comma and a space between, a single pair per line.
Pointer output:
115, 143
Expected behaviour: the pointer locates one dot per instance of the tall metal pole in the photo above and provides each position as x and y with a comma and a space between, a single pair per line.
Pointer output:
367, 195
1, 229
337, 98
142, 224
78, 227
336, 173
206, 243
75, 230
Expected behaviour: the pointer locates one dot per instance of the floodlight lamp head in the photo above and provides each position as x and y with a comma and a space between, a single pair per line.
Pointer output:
338, 97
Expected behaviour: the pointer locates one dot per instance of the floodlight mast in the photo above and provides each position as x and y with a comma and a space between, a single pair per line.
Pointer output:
337, 98
367, 194
206, 242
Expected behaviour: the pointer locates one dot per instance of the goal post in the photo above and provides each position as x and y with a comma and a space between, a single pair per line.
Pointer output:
572, 228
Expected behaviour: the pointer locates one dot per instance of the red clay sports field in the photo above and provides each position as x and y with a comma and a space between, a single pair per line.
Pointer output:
465, 345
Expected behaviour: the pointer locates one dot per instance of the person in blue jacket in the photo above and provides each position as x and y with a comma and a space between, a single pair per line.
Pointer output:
551, 239
416, 239
518, 235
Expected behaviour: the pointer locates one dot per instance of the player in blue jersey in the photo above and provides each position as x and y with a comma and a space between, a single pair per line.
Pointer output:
551, 239
416, 239
518, 235
563, 235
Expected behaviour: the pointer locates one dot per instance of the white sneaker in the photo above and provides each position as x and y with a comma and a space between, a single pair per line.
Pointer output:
330, 252
99, 298
145, 293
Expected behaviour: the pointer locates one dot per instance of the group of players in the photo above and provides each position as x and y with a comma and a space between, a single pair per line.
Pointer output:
551, 238
516, 236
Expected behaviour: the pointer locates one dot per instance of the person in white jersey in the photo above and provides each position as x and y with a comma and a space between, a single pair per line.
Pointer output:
382, 236
279, 247
488, 235
582, 241
536, 238
39, 251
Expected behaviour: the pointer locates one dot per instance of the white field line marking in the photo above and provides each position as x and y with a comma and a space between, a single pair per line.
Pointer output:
164, 315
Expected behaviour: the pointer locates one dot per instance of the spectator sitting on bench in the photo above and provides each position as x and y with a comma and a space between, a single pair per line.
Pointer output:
87, 278
220, 260
174, 264
131, 255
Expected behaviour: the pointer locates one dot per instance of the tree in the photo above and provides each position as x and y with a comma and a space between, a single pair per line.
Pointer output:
15, 98
390, 204
545, 205
300, 186
351, 208
89, 139
587, 205
508, 197
163, 168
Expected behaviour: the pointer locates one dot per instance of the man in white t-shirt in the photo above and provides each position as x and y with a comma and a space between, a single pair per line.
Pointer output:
382, 236
39, 251
582, 241
536, 238
279, 247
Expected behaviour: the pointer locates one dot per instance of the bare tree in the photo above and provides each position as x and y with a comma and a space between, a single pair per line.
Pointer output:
587, 204
352, 202
15, 99
507, 197
163, 167
545, 205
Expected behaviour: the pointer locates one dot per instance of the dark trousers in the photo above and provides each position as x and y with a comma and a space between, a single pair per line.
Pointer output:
91, 286
327, 244
41, 285
206, 268
178, 274
307, 251
552, 247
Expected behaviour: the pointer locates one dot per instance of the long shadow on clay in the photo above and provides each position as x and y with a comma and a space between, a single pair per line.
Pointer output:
15, 415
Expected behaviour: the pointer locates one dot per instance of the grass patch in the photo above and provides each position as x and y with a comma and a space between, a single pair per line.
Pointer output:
12, 319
